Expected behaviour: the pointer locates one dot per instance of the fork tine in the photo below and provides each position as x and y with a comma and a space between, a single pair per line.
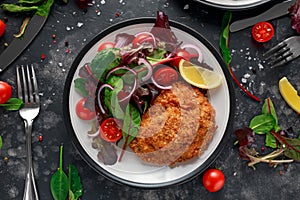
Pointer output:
275, 48
25, 91
284, 60
281, 57
35, 86
30, 92
280, 52
20, 96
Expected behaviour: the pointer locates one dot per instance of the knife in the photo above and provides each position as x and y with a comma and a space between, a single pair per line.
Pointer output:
277, 10
18, 45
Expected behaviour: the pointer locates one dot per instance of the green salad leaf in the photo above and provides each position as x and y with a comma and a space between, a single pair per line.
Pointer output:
75, 186
59, 181
13, 104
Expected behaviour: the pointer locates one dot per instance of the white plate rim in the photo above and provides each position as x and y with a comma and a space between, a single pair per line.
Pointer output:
234, 4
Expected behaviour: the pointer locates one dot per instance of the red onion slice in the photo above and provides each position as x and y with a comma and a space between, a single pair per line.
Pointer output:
200, 57
134, 84
99, 95
145, 32
160, 86
149, 68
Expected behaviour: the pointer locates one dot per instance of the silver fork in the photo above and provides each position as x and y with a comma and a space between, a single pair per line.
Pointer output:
28, 92
285, 51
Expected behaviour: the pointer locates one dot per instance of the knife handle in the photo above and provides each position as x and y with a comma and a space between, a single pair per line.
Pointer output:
272, 13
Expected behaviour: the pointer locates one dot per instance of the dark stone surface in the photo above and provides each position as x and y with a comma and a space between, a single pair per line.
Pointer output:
242, 182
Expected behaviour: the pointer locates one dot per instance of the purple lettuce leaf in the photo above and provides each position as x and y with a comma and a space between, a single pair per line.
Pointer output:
295, 15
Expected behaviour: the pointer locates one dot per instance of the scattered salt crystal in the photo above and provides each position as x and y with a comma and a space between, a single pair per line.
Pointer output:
68, 28
241, 50
235, 173
102, 2
98, 13
60, 64
79, 24
187, 6
244, 80
74, 13
166, 5
249, 58
260, 66
247, 75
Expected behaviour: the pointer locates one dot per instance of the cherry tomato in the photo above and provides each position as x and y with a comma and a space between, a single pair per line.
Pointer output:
106, 45
140, 38
165, 76
213, 180
262, 31
183, 54
5, 92
83, 112
2, 28
110, 130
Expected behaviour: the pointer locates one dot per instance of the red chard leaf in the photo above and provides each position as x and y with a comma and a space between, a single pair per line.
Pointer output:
245, 136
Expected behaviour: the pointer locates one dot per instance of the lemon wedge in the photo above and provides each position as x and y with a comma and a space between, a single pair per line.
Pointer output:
289, 94
199, 76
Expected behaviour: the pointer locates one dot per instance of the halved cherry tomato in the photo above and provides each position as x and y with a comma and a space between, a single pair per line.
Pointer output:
165, 76
83, 112
141, 38
2, 28
106, 45
182, 54
5, 92
213, 180
110, 130
262, 31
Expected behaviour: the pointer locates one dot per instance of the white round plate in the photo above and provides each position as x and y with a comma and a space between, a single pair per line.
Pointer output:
131, 170
233, 4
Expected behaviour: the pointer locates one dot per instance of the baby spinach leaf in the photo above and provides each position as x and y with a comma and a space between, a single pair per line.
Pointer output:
59, 184
270, 141
13, 104
131, 123
111, 97
80, 86
262, 124
75, 186
268, 108
103, 62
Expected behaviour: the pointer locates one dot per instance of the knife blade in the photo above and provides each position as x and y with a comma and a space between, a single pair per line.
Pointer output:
277, 10
18, 45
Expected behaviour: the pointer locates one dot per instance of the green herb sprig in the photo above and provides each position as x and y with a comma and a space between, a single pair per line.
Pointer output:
63, 186
267, 123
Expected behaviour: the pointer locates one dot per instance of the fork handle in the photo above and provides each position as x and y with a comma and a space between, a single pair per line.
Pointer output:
30, 191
